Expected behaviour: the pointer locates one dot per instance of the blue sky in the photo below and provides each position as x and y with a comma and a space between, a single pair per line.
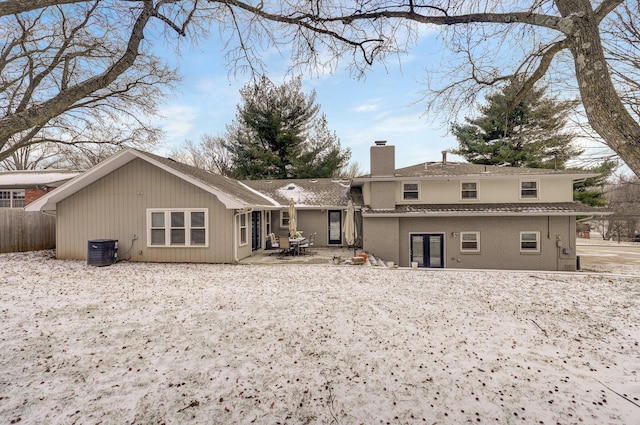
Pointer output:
385, 105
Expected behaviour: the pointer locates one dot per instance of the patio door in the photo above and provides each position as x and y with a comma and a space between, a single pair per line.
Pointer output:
427, 249
335, 227
256, 228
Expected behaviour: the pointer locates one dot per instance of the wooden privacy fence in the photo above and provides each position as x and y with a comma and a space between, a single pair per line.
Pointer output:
26, 231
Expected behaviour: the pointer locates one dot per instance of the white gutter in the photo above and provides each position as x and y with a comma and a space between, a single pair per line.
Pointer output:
478, 214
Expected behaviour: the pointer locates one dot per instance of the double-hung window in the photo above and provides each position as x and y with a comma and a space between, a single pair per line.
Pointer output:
284, 219
177, 227
470, 242
529, 189
469, 191
12, 198
410, 191
243, 229
529, 241
267, 222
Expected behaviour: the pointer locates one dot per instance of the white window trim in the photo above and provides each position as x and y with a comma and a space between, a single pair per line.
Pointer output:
14, 198
525, 250
477, 190
418, 190
284, 215
477, 249
267, 222
537, 182
187, 227
243, 229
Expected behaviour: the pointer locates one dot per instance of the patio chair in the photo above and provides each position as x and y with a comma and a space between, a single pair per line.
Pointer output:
308, 243
285, 246
273, 241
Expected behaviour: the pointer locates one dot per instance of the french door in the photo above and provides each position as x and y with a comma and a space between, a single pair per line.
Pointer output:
256, 227
427, 249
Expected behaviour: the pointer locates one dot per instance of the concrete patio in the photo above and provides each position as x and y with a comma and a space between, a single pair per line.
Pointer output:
320, 255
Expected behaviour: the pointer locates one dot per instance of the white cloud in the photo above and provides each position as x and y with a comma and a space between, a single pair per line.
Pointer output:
367, 107
177, 121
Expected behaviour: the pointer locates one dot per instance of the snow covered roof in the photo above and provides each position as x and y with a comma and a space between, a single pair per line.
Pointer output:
25, 179
306, 193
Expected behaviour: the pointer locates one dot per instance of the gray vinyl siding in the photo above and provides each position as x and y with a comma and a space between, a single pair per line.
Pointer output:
314, 221
309, 221
115, 207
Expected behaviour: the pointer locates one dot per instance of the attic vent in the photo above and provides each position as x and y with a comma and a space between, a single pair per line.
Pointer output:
291, 187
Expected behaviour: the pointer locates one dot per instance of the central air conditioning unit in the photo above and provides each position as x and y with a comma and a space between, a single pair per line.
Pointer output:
102, 252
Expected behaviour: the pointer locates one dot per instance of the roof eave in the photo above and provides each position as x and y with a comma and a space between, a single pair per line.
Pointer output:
49, 201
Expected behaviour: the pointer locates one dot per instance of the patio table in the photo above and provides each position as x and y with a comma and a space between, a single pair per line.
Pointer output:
295, 244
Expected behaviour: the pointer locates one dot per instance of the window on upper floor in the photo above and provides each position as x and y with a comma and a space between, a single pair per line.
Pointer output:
410, 191
12, 198
529, 189
468, 190
177, 227
529, 241
469, 241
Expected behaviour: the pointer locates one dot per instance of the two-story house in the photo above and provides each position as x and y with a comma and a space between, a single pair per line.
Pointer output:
459, 215
434, 214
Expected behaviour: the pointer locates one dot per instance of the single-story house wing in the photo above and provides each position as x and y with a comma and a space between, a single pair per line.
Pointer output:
161, 210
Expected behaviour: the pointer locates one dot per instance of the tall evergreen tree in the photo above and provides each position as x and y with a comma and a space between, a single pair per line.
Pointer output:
531, 133
277, 134
591, 191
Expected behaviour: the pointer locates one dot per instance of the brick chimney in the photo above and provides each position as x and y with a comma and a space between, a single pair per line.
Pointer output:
383, 164
383, 159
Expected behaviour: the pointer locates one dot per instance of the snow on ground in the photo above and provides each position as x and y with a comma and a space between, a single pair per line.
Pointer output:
210, 344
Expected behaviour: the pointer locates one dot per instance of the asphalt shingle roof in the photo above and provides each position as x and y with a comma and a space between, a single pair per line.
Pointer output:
227, 185
438, 169
304, 192
561, 208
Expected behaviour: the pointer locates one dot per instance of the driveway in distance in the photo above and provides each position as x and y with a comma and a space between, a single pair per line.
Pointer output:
609, 256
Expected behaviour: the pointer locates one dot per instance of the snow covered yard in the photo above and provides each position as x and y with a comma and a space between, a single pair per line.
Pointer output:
209, 344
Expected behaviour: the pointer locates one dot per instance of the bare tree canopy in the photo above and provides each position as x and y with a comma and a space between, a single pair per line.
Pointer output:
76, 76
594, 44
492, 41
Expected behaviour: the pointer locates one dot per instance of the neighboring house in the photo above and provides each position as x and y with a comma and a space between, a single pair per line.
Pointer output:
583, 230
27, 231
459, 215
164, 211
19, 188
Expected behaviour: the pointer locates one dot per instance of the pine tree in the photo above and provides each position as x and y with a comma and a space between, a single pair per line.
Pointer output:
531, 133
277, 134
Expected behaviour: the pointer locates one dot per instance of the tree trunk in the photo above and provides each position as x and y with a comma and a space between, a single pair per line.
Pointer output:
40, 114
605, 111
